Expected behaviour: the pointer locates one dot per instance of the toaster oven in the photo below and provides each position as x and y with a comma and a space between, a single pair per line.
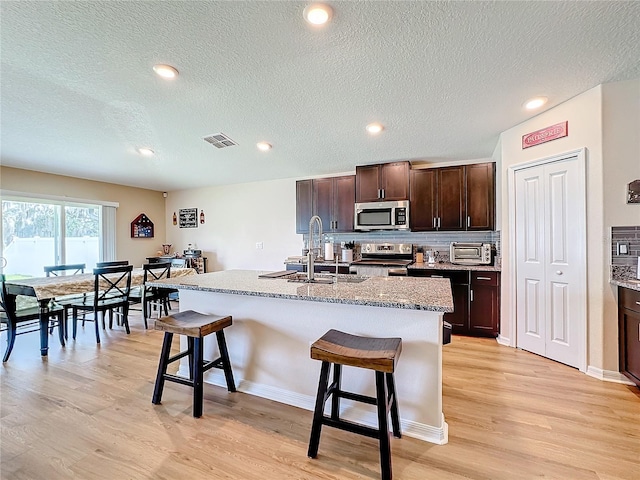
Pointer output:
470, 253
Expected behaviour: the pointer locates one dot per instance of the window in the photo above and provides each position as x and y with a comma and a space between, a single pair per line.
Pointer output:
39, 232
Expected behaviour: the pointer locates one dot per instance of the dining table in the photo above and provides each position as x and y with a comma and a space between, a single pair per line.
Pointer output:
46, 289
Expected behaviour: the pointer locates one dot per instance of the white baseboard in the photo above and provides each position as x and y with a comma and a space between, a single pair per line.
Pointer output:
503, 340
608, 375
355, 413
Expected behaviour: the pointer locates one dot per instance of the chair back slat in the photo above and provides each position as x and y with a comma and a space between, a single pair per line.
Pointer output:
116, 263
57, 270
112, 283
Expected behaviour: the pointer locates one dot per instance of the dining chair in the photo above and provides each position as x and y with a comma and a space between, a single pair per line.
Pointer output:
115, 263
64, 270
24, 320
152, 296
110, 294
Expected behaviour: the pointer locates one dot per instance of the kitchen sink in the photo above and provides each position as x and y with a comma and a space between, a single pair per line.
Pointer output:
324, 278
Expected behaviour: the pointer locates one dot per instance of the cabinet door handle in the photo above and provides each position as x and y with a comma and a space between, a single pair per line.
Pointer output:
437, 276
472, 295
468, 221
638, 303
483, 278
438, 222
382, 190
434, 222
335, 224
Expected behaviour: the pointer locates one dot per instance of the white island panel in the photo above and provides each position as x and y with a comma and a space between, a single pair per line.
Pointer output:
269, 345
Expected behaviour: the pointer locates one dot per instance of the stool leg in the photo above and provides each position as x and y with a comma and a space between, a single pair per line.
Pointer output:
190, 350
393, 398
226, 363
318, 413
162, 368
385, 446
335, 399
197, 377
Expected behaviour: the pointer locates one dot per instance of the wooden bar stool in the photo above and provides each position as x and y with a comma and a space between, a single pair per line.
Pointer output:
379, 354
195, 326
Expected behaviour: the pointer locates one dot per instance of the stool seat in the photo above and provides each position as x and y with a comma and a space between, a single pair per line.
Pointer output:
193, 324
365, 352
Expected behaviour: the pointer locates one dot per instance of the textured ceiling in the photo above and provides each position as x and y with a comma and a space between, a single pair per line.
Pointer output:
78, 93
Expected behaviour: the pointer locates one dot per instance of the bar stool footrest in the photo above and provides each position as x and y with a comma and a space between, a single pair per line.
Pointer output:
175, 378
351, 427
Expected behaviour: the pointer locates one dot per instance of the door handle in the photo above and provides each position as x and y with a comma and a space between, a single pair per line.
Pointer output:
472, 295
434, 222
483, 278
438, 222
559, 272
382, 190
437, 276
468, 221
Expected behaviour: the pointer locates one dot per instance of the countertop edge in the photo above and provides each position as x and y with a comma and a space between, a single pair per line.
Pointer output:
626, 283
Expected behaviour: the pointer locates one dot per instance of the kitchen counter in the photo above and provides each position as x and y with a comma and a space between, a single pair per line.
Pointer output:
451, 266
629, 283
392, 292
276, 321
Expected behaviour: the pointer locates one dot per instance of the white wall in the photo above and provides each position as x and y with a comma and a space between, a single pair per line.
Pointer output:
621, 158
593, 117
236, 218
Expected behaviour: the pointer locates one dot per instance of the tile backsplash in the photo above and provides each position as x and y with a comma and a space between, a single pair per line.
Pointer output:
625, 266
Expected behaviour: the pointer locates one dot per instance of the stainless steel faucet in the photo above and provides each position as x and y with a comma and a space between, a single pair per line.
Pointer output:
312, 255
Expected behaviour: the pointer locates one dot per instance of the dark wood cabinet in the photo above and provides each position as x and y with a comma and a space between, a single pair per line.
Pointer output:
423, 208
453, 198
476, 300
331, 198
385, 181
481, 196
304, 205
484, 303
629, 333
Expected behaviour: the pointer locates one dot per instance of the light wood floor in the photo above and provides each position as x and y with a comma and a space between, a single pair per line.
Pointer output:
86, 413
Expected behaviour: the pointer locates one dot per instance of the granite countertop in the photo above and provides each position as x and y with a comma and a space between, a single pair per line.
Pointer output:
395, 292
451, 266
629, 283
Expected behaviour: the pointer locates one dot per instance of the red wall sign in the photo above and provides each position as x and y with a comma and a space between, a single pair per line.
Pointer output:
547, 134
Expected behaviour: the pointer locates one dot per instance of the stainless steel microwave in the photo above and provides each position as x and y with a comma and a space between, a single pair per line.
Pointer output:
470, 253
382, 216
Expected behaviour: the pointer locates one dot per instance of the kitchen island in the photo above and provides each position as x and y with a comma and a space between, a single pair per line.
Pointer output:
275, 321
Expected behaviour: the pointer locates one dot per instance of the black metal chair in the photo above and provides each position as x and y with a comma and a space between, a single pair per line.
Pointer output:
152, 296
110, 294
18, 322
116, 263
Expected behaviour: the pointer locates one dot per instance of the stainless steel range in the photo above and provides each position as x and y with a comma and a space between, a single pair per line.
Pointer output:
383, 259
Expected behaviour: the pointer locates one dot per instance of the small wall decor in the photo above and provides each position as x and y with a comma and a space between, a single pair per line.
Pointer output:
201, 216
544, 135
633, 194
142, 227
188, 217
175, 218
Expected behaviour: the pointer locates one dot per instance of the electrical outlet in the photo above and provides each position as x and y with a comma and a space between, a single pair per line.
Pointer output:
622, 248
259, 245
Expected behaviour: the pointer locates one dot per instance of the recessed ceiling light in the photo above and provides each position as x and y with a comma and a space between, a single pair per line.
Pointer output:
536, 102
264, 146
374, 128
165, 71
147, 152
317, 13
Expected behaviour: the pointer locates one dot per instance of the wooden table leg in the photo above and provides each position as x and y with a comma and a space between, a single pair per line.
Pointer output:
44, 328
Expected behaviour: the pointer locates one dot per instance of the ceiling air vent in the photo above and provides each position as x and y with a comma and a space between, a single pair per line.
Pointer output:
219, 140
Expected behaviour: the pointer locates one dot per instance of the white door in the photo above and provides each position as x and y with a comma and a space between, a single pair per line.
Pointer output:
550, 247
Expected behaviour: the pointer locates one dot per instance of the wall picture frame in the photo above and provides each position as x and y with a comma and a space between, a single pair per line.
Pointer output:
188, 218
633, 192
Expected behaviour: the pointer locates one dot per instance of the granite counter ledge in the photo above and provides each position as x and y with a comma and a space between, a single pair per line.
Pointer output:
452, 266
433, 294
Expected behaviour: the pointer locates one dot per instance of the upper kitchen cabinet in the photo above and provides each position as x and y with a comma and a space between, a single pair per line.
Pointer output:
456, 198
386, 181
481, 181
331, 198
304, 205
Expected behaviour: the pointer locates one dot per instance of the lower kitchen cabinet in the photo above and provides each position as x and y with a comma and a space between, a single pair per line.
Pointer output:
629, 333
476, 300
